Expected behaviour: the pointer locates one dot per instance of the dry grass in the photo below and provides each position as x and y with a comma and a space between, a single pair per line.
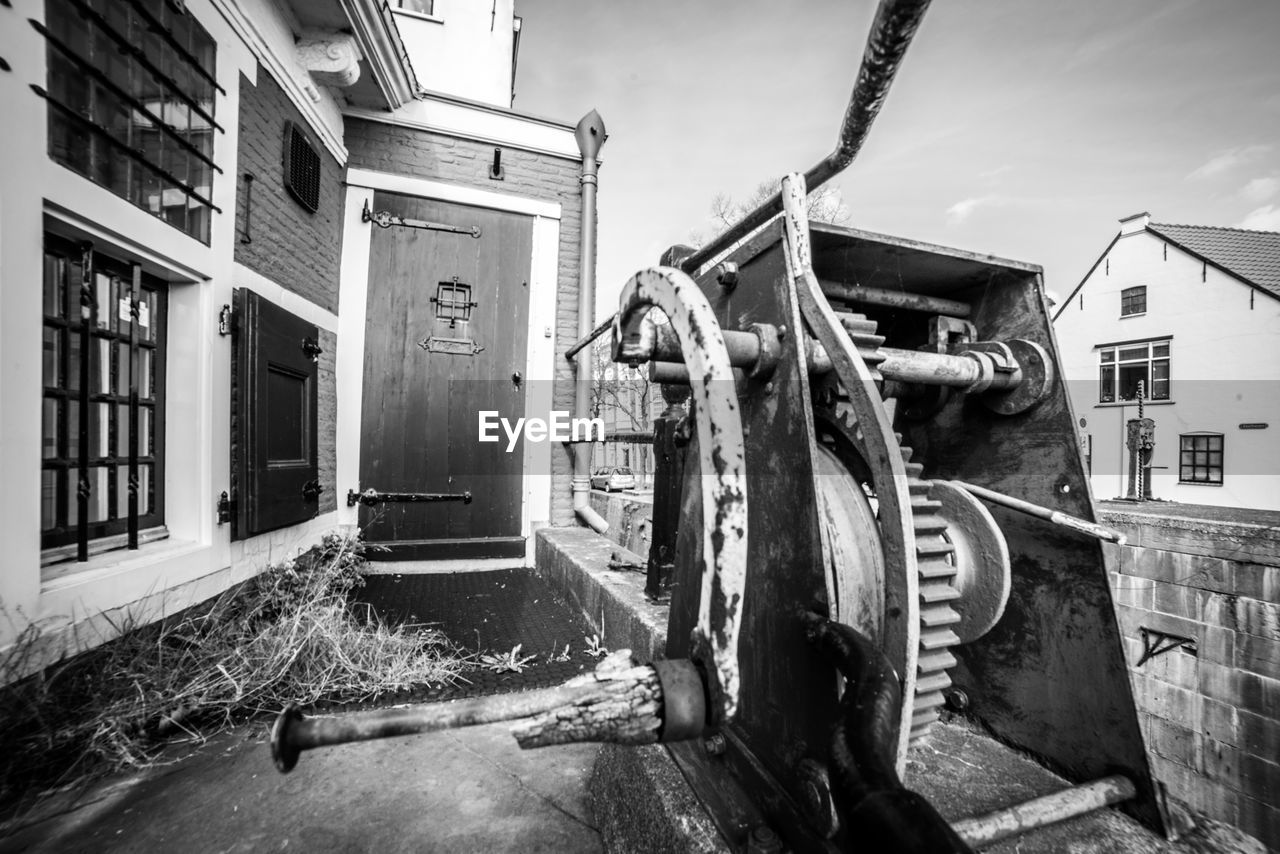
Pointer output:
288, 635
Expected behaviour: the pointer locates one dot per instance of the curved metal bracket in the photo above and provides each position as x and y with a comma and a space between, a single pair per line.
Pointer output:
721, 454
901, 635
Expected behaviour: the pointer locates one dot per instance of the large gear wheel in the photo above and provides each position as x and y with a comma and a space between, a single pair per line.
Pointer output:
851, 518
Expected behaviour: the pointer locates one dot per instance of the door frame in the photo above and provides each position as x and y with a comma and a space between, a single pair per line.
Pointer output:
539, 360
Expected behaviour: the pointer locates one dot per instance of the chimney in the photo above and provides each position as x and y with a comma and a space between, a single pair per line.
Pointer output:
1134, 223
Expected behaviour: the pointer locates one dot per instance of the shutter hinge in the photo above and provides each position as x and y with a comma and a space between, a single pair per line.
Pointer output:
226, 321
312, 349
224, 508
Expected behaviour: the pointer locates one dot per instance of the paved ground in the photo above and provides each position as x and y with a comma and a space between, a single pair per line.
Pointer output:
466, 790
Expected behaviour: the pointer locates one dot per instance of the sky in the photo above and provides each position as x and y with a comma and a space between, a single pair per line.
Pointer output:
1021, 128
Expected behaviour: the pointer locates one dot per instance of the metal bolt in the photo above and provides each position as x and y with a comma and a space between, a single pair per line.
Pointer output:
957, 699
727, 275
816, 801
714, 744
763, 841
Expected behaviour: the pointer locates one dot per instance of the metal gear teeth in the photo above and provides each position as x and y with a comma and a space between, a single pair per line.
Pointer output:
862, 332
937, 591
936, 572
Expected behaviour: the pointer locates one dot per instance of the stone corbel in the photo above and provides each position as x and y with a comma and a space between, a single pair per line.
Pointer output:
332, 59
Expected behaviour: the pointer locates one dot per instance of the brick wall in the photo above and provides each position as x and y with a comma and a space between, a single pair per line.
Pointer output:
1211, 718
288, 244
421, 154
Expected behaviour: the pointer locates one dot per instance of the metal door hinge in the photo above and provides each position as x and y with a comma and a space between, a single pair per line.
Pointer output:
311, 490
386, 219
312, 349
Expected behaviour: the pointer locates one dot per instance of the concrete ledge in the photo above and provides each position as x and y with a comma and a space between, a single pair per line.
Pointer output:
575, 561
630, 519
641, 803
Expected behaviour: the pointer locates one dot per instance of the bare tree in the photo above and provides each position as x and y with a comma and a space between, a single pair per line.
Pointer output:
619, 388
825, 204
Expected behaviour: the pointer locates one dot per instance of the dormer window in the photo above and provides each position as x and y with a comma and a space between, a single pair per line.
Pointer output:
1133, 301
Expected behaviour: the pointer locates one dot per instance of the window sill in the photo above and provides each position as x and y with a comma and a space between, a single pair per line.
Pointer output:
418, 15
1120, 404
60, 560
1198, 483
1135, 314
107, 563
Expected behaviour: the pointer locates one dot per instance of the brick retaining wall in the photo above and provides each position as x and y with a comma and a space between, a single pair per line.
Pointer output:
1212, 717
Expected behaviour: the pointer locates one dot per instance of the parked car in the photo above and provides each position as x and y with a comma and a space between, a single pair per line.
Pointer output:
610, 478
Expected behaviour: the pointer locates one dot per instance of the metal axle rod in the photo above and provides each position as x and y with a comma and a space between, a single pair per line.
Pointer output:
970, 371
894, 299
1091, 529
989, 829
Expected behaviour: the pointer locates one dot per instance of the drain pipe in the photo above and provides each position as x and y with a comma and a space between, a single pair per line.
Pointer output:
590, 135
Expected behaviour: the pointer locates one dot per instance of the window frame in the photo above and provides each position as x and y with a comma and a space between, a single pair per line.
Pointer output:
132, 108
1208, 464
78, 302
1129, 301
1114, 365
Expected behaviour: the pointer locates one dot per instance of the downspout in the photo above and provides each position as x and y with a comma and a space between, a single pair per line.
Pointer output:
590, 135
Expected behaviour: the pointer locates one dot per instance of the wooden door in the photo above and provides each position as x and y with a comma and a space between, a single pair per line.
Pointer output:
446, 336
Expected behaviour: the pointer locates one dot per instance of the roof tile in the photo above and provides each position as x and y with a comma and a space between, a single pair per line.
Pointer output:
1252, 255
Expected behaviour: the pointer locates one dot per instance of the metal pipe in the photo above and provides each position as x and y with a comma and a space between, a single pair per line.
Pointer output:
989, 829
293, 733
895, 23
601, 328
1075, 523
590, 135
895, 299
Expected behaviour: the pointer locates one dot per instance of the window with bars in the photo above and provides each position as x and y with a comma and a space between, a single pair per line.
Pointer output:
453, 302
1201, 458
1133, 301
102, 477
1121, 369
131, 94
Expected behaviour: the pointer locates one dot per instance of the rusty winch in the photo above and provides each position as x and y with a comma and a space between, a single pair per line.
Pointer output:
884, 512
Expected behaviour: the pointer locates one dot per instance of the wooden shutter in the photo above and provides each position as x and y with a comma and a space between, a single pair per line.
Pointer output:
273, 417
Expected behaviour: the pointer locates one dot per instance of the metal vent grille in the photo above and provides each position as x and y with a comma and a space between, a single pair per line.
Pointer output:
301, 167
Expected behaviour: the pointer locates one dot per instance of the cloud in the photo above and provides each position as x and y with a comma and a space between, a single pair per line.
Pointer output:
1265, 218
963, 209
1261, 189
1226, 160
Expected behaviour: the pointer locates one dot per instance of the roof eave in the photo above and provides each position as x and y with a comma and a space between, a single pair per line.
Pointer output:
384, 51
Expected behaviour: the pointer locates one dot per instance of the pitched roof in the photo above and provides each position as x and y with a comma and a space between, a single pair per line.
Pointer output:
1253, 256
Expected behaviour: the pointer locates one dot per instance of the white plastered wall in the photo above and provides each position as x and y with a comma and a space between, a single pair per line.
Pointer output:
77, 606
540, 358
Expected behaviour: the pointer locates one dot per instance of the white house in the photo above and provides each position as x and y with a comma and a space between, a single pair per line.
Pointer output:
229, 229
1193, 314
